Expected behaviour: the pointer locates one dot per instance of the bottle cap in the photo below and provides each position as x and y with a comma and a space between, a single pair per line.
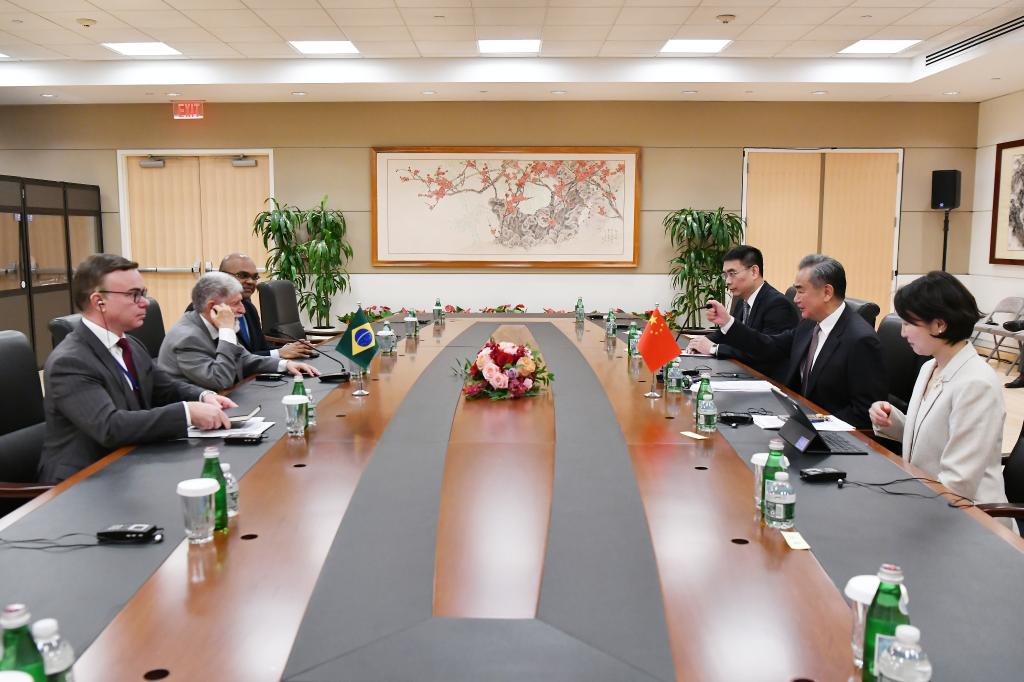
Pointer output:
14, 616
759, 458
891, 573
45, 628
297, 379
862, 588
776, 444
198, 487
294, 400
908, 634
225, 467
781, 476
210, 452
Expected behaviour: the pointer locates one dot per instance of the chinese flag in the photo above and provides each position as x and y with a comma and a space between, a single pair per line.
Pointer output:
657, 345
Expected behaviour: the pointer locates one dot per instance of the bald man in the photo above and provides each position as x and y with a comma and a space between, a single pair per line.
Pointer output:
250, 332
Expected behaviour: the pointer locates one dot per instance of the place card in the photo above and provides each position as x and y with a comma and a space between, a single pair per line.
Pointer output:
691, 434
795, 540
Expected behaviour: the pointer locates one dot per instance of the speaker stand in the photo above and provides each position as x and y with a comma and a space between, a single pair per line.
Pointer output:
945, 238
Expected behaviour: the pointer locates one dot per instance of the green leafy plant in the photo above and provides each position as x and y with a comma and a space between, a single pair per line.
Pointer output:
700, 239
308, 248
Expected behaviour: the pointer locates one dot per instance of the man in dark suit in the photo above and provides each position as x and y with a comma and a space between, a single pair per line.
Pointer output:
102, 389
834, 357
756, 304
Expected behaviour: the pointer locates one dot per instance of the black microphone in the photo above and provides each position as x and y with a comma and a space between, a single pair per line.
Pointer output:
335, 378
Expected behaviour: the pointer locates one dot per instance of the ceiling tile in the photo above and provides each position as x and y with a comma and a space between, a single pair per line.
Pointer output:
116, 35
642, 33
266, 49
985, 4
570, 48
995, 17
32, 52
330, 32
282, 4
708, 32
869, 16
208, 50
580, 16
587, 3
388, 49
631, 48
820, 3
813, 48
252, 34
574, 33
764, 32
433, 3
26, 22
728, 5
206, 4
753, 48
508, 16
366, 17
47, 5
11, 39
658, 3
442, 33
70, 20
378, 34
295, 17
87, 52
126, 5
357, 4
156, 19
229, 18
53, 36
182, 35
906, 33
451, 16
508, 32
744, 15
888, 3
939, 16
8, 7
830, 32
650, 16
447, 48
797, 15
510, 3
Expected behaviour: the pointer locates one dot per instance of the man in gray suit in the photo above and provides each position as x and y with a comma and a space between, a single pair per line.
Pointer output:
102, 389
203, 348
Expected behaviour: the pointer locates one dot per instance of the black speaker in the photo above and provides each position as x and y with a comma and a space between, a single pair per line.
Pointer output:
945, 189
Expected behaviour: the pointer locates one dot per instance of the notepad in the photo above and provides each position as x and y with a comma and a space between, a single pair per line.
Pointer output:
747, 386
253, 427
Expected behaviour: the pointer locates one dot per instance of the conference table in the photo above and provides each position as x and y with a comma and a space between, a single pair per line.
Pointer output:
577, 535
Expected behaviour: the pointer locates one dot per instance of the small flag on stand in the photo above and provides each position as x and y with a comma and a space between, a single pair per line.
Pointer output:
657, 346
358, 343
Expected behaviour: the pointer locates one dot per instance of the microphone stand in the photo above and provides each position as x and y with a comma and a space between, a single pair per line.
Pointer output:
332, 378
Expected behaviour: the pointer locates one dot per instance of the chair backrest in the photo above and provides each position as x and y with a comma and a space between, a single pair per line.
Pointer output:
62, 326
901, 361
1013, 472
791, 293
21, 401
866, 309
151, 333
279, 309
1011, 305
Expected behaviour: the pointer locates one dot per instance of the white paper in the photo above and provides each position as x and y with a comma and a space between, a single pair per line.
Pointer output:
253, 427
747, 386
771, 422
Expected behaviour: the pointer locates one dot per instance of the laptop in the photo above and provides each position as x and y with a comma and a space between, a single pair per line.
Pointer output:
801, 434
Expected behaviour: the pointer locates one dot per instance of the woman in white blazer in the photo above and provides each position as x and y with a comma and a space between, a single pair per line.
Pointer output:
953, 428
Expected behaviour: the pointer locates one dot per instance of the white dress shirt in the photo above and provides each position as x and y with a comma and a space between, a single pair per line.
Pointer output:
827, 325
231, 336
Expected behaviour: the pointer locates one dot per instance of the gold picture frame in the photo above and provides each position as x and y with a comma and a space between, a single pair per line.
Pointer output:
1006, 245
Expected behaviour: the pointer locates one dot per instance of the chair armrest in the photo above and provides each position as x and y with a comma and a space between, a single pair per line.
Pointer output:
279, 340
1002, 509
22, 491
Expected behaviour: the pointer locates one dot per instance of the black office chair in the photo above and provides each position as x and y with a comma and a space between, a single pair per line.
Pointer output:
151, 333
901, 361
22, 423
866, 309
791, 294
279, 311
1013, 480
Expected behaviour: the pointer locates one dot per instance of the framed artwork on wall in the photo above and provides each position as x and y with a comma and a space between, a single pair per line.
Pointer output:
1007, 242
505, 206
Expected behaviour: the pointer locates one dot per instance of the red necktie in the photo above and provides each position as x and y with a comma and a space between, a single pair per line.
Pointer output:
129, 363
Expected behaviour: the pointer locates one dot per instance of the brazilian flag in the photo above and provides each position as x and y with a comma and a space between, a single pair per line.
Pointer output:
358, 343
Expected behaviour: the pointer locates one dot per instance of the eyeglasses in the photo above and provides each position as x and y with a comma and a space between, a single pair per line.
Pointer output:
732, 274
253, 276
135, 294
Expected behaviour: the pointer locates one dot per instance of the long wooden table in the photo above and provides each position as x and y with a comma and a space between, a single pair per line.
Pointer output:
230, 610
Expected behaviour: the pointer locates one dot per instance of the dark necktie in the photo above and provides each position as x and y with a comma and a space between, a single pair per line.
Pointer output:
808, 363
746, 312
129, 363
243, 330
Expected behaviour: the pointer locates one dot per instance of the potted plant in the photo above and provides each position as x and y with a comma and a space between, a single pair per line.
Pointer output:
308, 248
700, 239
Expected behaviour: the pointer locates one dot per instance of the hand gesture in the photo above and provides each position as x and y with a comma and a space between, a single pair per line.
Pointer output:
717, 314
223, 316
880, 412
302, 368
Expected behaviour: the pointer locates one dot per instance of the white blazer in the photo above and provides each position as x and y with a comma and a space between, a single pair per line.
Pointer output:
956, 433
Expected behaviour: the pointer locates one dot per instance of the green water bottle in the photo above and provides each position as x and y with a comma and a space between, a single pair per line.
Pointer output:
299, 388
633, 337
777, 462
211, 469
438, 315
580, 312
20, 652
887, 611
609, 325
707, 413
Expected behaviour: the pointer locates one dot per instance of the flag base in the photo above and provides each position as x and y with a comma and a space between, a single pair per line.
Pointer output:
360, 386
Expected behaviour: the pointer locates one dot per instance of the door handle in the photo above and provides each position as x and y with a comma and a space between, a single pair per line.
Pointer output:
167, 270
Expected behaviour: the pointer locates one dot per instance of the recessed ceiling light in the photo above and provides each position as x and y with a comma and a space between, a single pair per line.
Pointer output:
17, 21
878, 46
996, 78
142, 49
866, 16
559, 92
47, 94
508, 46
173, 94
324, 46
429, 92
819, 92
951, 92
705, 46
690, 92
299, 93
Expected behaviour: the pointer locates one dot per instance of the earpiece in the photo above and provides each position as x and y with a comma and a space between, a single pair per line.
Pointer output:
840, 483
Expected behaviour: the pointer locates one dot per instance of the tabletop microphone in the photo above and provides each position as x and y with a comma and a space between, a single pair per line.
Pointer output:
336, 377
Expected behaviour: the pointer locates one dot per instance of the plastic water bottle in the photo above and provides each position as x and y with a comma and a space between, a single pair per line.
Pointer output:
58, 657
609, 326
775, 463
780, 502
674, 377
232, 486
438, 315
299, 388
633, 338
211, 469
707, 413
580, 312
888, 611
19, 649
310, 408
904, 660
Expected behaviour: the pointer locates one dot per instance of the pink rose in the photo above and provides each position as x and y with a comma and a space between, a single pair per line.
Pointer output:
527, 384
508, 347
499, 381
483, 358
526, 366
490, 371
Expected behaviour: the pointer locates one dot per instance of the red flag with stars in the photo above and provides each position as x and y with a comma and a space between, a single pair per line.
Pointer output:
657, 344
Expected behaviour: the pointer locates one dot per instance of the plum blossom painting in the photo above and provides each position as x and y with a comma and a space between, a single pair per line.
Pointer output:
1007, 242
525, 206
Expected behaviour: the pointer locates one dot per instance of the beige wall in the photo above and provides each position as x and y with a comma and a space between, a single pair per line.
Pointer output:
691, 152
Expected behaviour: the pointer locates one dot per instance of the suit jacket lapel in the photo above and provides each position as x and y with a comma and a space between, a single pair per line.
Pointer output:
832, 343
797, 353
954, 366
106, 359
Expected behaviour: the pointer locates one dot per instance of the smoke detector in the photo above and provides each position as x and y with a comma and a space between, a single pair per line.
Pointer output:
86, 22
726, 18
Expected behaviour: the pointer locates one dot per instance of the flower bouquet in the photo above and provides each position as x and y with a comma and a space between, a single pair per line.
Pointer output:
505, 371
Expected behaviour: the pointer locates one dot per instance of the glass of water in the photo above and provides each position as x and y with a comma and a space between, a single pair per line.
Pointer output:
295, 414
198, 504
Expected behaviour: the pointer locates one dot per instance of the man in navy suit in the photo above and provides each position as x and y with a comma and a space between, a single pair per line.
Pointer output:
833, 357
756, 304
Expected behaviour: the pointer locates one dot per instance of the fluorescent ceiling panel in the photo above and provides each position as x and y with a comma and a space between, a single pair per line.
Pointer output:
508, 46
142, 49
693, 46
324, 46
878, 46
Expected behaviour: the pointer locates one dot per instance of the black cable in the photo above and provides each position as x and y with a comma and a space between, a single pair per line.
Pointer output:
48, 543
733, 375
959, 502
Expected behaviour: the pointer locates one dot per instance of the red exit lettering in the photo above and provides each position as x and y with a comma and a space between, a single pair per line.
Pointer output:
187, 110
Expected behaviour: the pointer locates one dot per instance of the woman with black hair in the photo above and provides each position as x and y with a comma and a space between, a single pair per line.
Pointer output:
953, 428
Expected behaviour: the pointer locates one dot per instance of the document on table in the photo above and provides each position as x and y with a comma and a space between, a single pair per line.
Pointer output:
772, 422
749, 386
253, 427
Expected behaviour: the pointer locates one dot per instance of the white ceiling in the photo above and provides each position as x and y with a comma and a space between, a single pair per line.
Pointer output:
237, 50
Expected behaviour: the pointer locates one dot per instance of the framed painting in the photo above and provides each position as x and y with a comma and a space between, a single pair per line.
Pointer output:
1007, 242
506, 206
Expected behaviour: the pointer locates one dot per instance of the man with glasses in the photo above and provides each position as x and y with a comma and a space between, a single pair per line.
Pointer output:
103, 391
756, 304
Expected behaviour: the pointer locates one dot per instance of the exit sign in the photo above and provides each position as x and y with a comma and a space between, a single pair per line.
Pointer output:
187, 110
